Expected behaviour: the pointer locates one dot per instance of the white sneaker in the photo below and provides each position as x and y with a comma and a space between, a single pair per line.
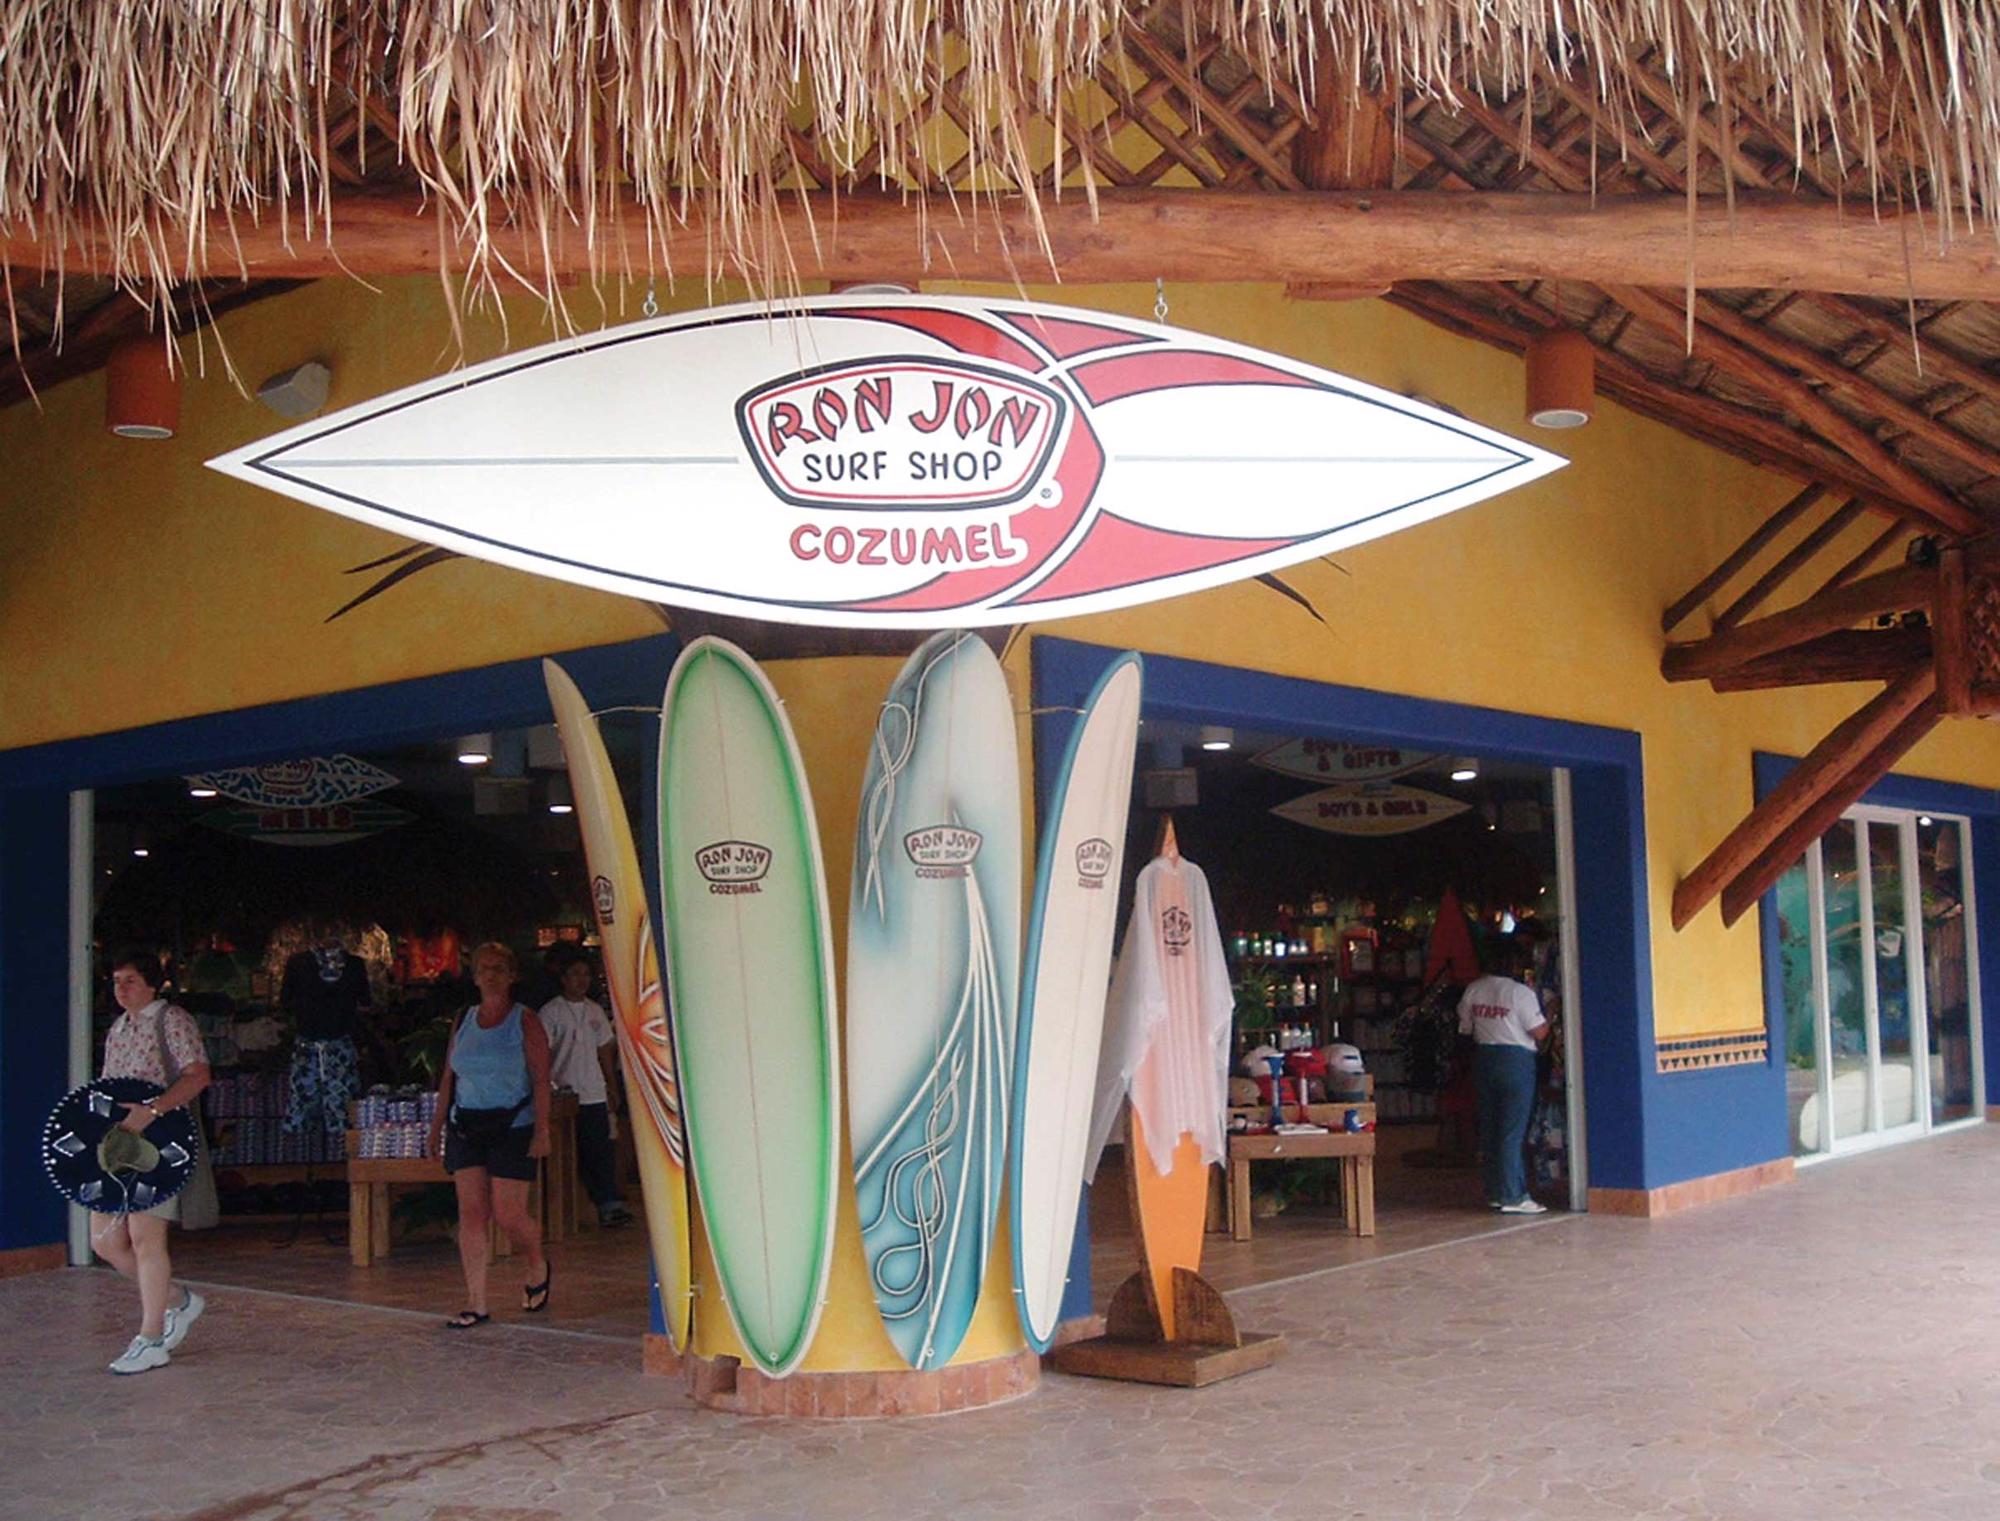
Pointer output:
181, 1320
1524, 1207
142, 1355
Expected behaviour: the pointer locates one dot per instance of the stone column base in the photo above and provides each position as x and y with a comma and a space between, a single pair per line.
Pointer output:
724, 1383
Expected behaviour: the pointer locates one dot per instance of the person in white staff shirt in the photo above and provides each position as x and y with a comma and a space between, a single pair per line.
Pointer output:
1504, 1017
581, 1053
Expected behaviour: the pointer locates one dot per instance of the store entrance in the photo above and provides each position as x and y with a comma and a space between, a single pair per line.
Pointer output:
328, 907
1360, 888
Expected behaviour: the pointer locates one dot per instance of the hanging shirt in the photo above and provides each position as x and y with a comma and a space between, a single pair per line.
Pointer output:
1498, 1011
1166, 1027
576, 1031
321, 991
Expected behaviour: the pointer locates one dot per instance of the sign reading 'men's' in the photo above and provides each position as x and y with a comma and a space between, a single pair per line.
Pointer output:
901, 462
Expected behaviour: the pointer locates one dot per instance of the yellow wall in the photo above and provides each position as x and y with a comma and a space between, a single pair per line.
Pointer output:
138, 586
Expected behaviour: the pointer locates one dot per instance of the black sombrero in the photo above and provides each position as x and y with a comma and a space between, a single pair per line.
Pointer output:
96, 1163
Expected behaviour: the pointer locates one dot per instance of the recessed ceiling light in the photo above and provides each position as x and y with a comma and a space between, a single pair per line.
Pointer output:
475, 749
1465, 769
1217, 737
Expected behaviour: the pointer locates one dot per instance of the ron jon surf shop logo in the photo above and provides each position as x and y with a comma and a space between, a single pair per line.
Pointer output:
1176, 931
906, 435
734, 866
1093, 864
943, 850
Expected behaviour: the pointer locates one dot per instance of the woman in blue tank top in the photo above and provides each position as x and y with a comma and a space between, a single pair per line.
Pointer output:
493, 1122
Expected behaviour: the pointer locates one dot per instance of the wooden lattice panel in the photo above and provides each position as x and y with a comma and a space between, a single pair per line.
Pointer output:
1982, 630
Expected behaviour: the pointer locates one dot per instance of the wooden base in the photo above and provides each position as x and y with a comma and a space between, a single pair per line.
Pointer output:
1207, 1349
1181, 1364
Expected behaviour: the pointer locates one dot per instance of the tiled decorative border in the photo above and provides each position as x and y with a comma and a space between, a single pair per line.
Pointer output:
1699, 1052
33, 1259
1651, 1203
723, 1383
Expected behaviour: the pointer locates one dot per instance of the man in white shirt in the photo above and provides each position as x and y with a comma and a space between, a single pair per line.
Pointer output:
581, 1058
1503, 1015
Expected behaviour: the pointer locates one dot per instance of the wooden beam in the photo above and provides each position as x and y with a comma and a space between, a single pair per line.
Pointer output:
1849, 655
1950, 650
1739, 557
1750, 366
1772, 239
1809, 361
1842, 792
1890, 591
1749, 435
1788, 563
1866, 557
1795, 797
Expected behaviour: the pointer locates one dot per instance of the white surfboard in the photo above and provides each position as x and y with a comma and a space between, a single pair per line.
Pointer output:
750, 971
893, 461
933, 949
1065, 977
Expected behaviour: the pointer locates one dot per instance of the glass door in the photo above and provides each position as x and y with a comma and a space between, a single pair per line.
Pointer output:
1880, 995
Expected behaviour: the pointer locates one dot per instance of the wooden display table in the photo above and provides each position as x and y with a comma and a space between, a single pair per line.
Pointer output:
372, 1182
1356, 1151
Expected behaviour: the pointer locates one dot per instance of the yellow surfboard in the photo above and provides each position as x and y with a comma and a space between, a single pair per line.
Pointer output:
639, 1011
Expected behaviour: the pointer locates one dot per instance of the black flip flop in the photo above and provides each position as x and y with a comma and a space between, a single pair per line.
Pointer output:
466, 1320
535, 1296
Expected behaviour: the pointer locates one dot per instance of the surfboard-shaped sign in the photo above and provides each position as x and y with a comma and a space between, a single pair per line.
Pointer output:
1337, 760
918, 462
1373, 809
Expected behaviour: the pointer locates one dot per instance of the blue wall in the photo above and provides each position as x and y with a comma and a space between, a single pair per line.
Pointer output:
34, 847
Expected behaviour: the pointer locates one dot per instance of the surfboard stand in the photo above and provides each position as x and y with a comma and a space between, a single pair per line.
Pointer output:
1134, 1348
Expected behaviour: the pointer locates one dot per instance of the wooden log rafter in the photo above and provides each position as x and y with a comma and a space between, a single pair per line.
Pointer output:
1802, 795
1847, 655
1840, 792
1739, 557
1772, 239
1789, 563
1907, 588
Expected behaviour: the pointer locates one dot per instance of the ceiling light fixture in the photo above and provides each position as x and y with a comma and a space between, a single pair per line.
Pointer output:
1923, 821
1217, 737
1562, 379
475, 749
560, 799
142, 392
201, 791
1465, 769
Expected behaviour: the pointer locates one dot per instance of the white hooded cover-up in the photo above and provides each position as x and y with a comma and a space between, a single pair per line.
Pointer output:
1166, 1030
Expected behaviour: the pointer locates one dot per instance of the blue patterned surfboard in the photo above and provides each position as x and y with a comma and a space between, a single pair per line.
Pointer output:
933, 952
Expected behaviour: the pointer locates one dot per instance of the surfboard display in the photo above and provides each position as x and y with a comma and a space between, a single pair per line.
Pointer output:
638, 1003
1064, 981
893, 461
750, 970
933, 953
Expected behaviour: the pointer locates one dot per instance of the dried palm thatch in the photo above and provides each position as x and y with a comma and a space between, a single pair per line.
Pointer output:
164, 124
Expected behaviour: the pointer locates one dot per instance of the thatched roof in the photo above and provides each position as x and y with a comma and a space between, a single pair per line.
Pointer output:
168, 121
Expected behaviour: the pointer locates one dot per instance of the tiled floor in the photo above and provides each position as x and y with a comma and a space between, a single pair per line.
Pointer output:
1822, 1350
602, 1275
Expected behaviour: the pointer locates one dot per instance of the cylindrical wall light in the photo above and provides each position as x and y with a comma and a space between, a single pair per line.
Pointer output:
1562, 379
142, 394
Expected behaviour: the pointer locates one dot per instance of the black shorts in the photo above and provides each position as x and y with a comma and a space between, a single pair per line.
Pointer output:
505, 1158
